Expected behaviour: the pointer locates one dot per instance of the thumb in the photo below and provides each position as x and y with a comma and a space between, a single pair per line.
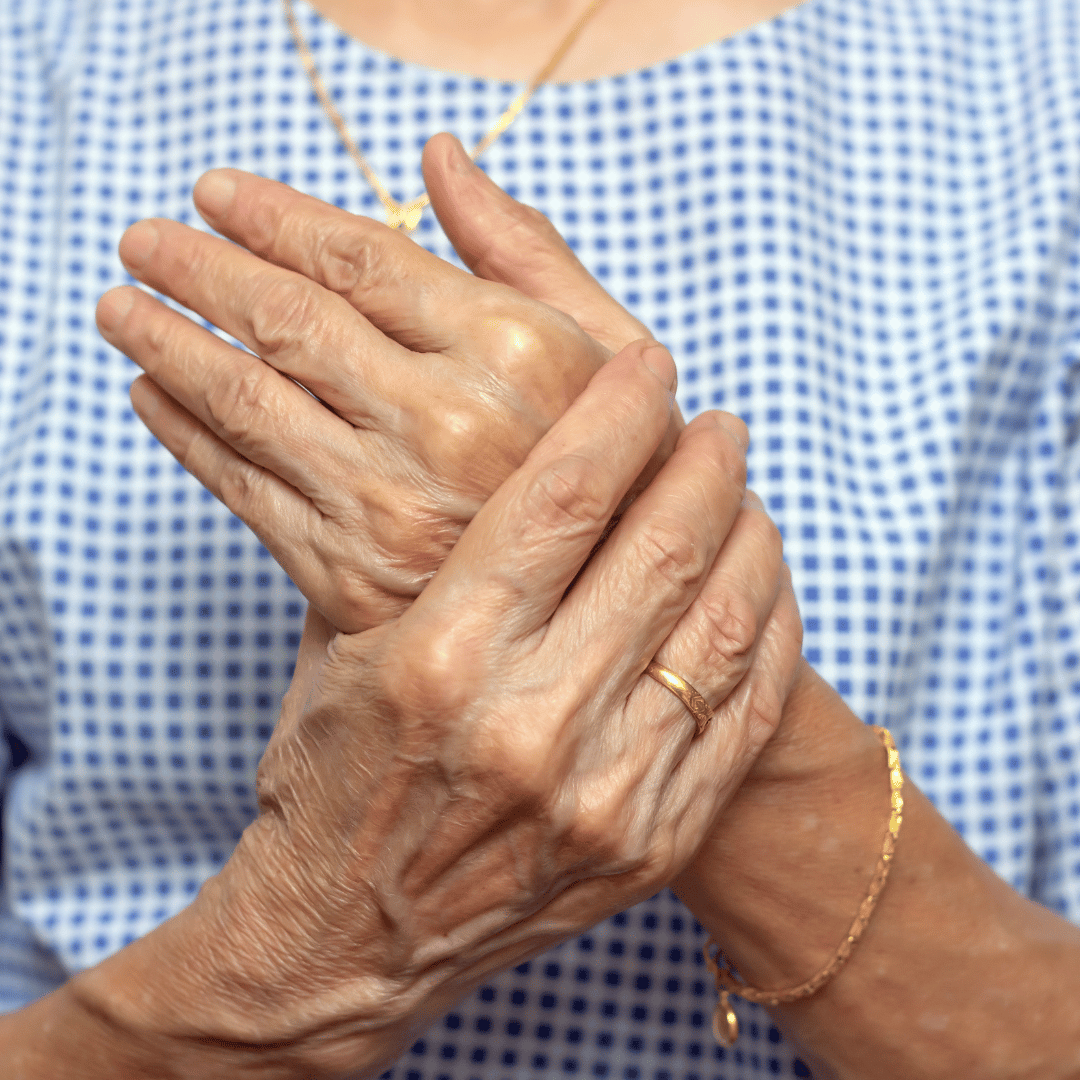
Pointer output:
503, 240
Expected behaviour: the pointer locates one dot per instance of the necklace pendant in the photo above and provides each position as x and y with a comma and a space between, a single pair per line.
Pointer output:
405, 217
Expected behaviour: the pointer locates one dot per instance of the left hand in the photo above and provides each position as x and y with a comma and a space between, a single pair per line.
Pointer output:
491, 772
440, 383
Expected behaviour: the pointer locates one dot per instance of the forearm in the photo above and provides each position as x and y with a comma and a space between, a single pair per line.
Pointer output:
70, 1033
57, 1037
110, 1022
956, 975
190, 1001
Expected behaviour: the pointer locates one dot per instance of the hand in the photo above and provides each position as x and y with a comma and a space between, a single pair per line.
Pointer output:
490, 773
439, 383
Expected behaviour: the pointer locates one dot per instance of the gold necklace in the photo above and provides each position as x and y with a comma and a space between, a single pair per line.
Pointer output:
407, 215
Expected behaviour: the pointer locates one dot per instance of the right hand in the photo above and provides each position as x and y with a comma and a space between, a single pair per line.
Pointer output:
491, 772
440, 383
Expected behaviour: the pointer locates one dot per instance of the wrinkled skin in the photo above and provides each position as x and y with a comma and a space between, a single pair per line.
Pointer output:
489, 773
441, 382
461, 783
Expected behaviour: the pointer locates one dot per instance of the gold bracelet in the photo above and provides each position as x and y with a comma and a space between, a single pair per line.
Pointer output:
725, 1022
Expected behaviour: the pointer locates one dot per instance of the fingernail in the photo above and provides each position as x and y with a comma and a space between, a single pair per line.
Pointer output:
113, 306
752, 501
215, 192
138, 244
658, 360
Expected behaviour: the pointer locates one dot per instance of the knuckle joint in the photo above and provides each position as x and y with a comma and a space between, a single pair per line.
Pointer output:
283, 312
731, 628
236, 400
673, 555
569, 496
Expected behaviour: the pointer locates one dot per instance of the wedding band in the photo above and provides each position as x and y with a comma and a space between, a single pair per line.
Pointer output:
698, 706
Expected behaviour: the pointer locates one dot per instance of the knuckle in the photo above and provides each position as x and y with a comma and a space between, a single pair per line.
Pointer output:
157, 337
237, 400
530, 232
725, 455
240, 487
512, 765
569, 497
544, 355
531, 218
519, 343
730, 628
598, 838
670, 553
521, 230
472, 449
263, 224
522, 758
768, 541
615, 837
346, 258
737, 428
431, 677
731, 461
361, 602
284, 311
457, 425
195, 258
410, 533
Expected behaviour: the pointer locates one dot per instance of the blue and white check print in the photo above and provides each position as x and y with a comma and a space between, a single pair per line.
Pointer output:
856, 226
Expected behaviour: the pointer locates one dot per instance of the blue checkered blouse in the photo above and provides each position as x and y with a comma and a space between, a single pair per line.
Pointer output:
855, 225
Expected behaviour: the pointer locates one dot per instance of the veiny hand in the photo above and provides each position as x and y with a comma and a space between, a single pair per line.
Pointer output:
439, 383
490, 773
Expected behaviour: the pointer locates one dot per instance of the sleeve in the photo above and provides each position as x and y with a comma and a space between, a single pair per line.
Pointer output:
1055, 597
38, 43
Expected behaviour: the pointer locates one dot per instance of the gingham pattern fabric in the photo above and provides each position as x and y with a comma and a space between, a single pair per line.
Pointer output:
856, 226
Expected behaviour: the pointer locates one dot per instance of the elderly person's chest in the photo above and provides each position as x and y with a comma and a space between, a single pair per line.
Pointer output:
868, 261
823, 245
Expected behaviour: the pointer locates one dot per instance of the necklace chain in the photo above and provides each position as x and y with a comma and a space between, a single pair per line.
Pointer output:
407, 215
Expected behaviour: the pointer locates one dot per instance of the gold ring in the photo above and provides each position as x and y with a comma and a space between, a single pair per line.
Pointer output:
698, 706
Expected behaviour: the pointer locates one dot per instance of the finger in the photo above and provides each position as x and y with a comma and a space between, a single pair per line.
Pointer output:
720, 630
742, 723
527, 543
716, 641
697, 775
261, 414
503, 240
656, 562
310, 334
253, 494
408, 293
292, 530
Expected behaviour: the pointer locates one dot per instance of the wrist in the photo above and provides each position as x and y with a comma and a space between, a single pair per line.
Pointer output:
231, 988
784, 870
